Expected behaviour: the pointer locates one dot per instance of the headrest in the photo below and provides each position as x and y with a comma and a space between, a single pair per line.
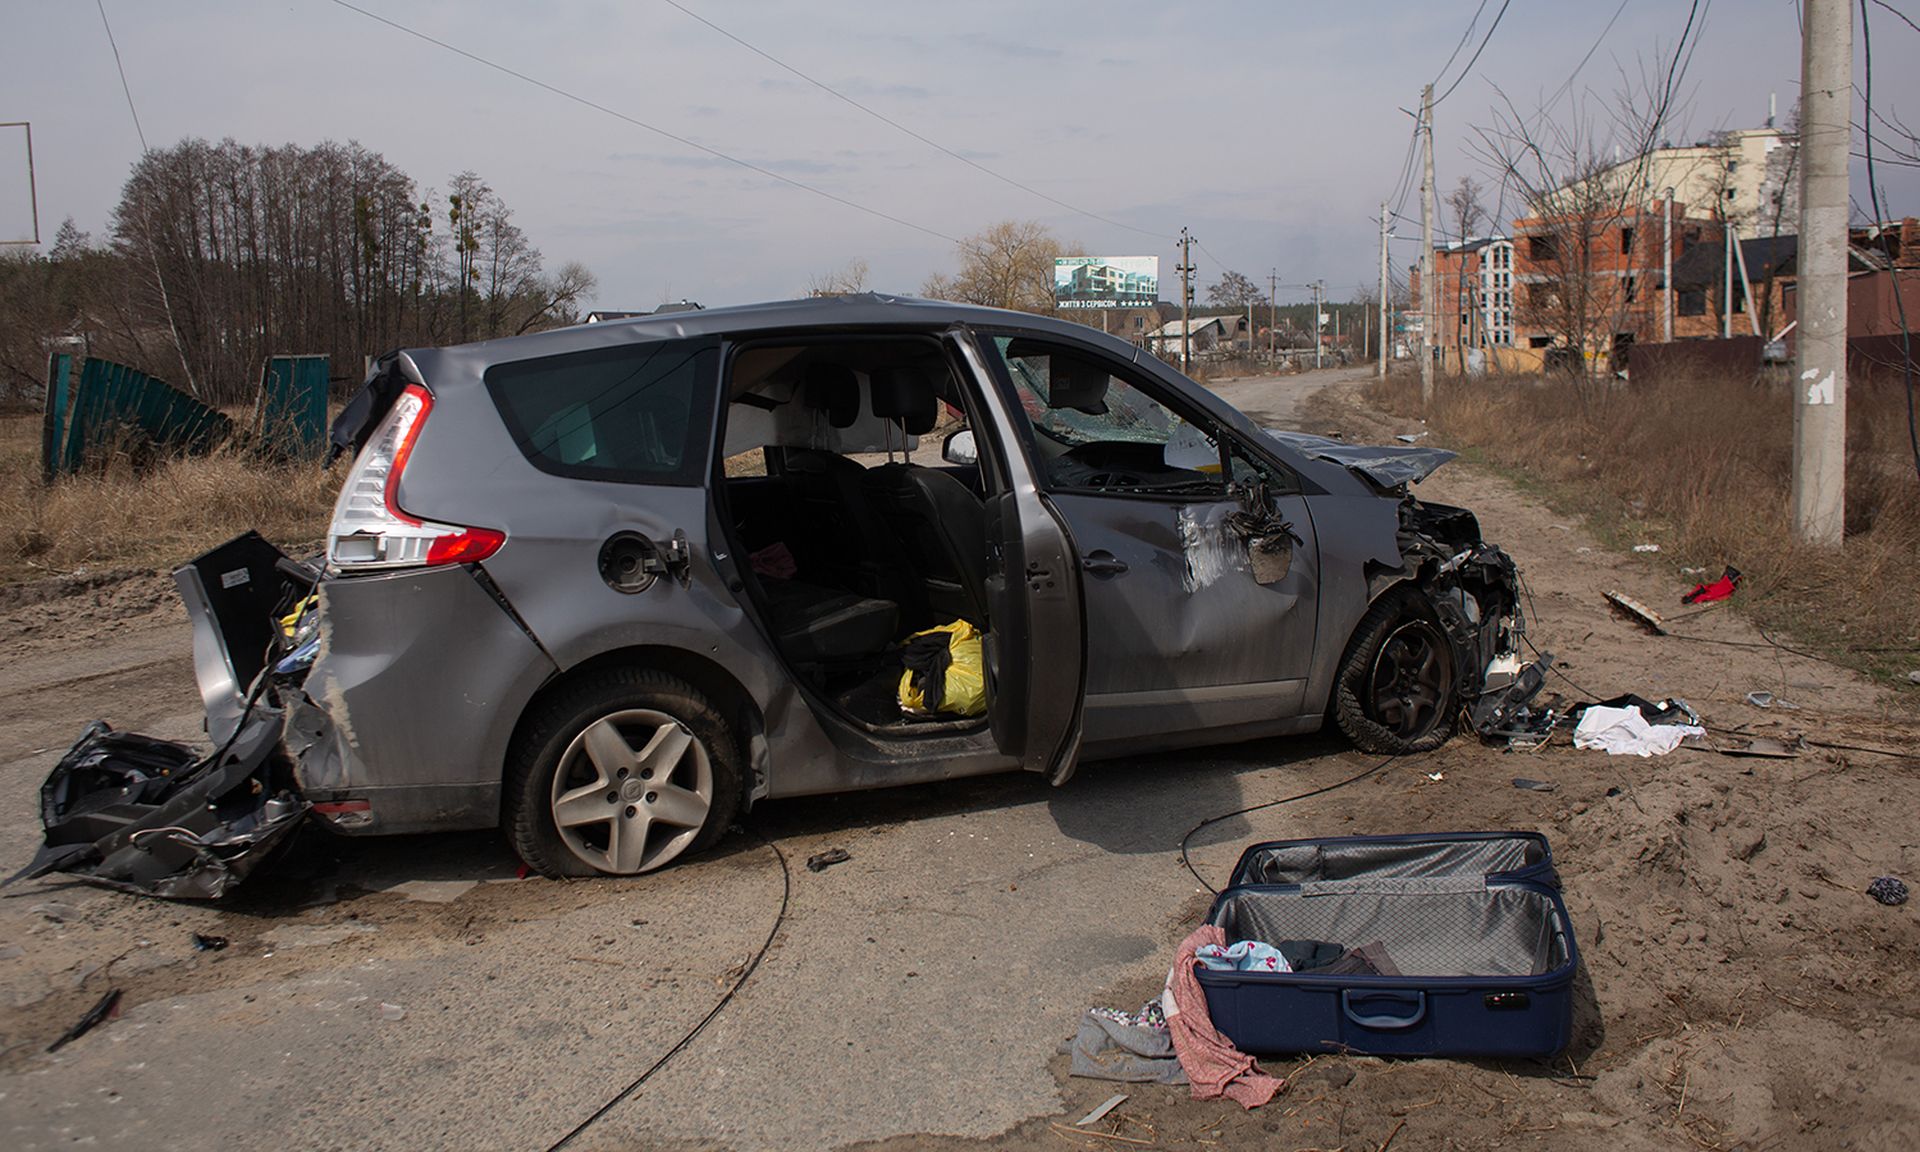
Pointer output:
833, 388
1075, 383
905, 395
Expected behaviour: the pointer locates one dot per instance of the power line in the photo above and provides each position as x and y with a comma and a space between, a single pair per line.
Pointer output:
1893, 272
1464, 37
120, 68
1902, 16
1468, 70
655, 129
895, 124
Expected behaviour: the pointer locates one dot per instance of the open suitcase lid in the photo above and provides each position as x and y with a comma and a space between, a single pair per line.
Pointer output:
1493, 856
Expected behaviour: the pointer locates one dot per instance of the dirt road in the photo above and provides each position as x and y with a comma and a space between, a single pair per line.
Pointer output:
1739, 986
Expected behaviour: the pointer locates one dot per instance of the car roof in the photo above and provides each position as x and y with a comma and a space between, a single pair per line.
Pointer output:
862, 311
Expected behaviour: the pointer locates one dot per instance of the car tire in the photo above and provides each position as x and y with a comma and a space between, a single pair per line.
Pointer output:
663, 763
1395, 693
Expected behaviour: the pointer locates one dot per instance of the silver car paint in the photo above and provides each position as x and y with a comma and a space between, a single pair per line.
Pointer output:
424, 675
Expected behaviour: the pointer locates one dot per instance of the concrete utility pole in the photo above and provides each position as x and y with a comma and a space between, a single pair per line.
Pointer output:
1273, 304
1186, 302
1316, 322
1820, 363
1428, 295
1726, 282
1384, 329
1666, 271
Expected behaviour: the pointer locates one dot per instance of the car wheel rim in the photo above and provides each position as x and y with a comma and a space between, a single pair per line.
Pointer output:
632, 791
1412, 680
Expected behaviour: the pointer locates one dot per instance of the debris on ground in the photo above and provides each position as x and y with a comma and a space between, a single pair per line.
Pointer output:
204, 943
1637, 612
104, 1010
1720, 589
1625, 732
1646, 547
1888, 890
1769, 700
1535, 785
821, 861
1094, 1116
392, 1012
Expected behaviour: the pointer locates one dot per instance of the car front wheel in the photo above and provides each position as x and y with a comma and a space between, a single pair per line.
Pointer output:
620, 773
1396, 693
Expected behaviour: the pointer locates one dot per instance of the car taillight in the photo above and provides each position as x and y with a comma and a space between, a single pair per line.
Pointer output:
370, 530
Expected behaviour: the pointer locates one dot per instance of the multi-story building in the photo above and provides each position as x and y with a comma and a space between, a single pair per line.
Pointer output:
1475, 304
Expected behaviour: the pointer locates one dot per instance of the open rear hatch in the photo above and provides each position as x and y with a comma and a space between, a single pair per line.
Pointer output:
159, 817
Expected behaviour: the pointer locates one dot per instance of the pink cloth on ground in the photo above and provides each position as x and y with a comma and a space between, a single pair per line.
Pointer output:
1214, 1066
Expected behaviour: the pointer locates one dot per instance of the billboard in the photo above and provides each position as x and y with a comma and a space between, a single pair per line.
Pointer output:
1106, 281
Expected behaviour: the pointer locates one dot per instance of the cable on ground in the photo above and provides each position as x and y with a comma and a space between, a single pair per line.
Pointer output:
786, 896
1211, 820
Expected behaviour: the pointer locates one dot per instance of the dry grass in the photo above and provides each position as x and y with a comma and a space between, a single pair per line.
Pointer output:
147, 518
1703, 469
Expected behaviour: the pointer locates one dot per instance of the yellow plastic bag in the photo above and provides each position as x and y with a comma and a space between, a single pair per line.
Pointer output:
946, 673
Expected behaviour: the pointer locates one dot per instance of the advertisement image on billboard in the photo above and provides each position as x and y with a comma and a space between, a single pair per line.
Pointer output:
1106, 281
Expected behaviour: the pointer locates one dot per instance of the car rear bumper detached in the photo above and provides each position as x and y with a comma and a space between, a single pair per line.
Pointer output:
389, 711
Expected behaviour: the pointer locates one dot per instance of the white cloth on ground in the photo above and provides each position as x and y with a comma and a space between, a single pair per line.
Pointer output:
1625, 732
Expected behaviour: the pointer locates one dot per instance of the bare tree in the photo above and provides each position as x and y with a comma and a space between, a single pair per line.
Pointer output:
1010, 265
1235, 291
845, 280
1467, 206
1577, 250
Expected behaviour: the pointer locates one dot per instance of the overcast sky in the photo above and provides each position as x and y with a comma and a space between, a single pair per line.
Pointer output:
1272, 130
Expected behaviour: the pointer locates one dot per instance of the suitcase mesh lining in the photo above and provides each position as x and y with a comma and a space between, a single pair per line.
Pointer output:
1302, 863
1499, 931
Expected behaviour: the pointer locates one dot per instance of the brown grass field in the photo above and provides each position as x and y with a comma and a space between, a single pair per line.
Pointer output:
1703, 470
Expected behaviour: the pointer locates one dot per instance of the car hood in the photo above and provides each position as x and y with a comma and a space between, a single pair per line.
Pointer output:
1386, 466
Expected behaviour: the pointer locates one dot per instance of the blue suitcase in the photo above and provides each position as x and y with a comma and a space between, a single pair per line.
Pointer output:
1470, 924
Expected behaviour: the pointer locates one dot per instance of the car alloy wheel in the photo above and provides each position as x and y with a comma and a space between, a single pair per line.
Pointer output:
1411, 683
632, 791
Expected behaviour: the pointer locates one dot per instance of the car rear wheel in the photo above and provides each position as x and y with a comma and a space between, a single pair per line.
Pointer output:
1396, 688
620, 773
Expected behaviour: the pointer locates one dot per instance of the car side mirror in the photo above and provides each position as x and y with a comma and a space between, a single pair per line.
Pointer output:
958, 448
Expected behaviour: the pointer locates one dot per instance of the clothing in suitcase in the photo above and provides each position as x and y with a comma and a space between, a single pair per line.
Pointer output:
1425, 945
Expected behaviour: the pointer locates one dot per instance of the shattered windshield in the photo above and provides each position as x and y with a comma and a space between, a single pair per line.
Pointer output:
1129, 416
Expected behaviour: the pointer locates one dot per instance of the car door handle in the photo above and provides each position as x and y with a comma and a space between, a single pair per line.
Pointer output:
1103, 563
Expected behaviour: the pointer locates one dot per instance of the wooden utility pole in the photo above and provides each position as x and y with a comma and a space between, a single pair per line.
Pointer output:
1428, 296
1384, 329
1820, 362
1186, 302
1316, 323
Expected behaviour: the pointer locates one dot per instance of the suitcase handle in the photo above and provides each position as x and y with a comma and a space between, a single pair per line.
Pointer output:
1416, 998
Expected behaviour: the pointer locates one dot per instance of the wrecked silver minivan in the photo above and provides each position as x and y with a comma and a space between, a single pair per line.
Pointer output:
606, 587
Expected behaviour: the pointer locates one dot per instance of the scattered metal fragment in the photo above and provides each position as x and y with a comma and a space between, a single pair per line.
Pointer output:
1769, 700
203, 943
1535, 785
104, 1010
392, 1012
1888, 890
821, 861
1112, 1102
1638, 612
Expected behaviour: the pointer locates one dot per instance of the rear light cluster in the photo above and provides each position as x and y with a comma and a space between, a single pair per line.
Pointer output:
370, 531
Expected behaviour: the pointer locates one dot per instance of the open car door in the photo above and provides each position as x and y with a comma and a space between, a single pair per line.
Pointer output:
1035, 649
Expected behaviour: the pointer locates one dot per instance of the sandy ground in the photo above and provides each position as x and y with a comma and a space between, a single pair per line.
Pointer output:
1739, 989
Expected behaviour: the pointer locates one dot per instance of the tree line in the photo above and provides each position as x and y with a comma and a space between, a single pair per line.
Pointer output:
219, 255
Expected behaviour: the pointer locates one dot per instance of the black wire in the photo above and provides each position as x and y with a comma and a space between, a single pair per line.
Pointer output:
1893, 272
892, 123
582, 100
1465, 72
121, 68
1211, 820
786, 895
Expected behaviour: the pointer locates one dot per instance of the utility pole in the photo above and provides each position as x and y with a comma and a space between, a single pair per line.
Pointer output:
1273, 304
1428, 296
1383, 290
1726, 281
1316, 322
1186, 301
1820, 363
1666, 271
